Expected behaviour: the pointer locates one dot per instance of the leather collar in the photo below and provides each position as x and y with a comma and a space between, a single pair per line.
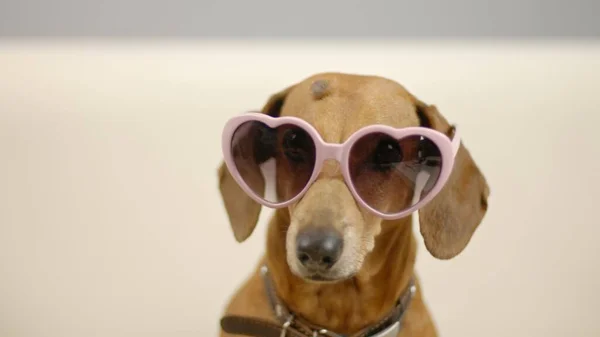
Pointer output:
292, 325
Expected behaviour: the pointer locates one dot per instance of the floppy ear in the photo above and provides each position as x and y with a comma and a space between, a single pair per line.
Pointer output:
450, 219
243, 211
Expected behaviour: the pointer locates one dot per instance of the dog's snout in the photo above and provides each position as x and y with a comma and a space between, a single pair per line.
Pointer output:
319, 248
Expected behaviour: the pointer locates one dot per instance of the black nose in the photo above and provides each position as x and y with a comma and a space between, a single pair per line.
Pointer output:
319, 248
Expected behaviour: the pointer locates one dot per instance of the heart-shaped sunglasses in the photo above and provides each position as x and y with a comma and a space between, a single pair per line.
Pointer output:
392, 172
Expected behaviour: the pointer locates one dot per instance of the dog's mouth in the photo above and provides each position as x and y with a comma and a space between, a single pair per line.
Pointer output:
319, 278
324, 278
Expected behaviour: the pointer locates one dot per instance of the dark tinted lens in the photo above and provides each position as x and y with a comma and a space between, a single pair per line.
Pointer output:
275, 162
392, 175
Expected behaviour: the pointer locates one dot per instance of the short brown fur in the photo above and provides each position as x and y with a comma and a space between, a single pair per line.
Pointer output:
388, 248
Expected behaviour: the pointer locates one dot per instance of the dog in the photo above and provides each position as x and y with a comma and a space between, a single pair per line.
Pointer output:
360, 280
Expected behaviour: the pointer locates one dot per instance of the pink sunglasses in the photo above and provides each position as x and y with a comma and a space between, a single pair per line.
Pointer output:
391, 172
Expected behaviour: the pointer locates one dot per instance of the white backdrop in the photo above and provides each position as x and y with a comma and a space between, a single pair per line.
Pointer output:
110, 220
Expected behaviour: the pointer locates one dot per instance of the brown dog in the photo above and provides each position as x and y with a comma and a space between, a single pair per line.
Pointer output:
377, 265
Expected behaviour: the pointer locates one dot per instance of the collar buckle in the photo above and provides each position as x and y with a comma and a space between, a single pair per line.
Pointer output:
325, 332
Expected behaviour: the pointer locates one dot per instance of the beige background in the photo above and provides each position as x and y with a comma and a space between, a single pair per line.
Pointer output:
110, 221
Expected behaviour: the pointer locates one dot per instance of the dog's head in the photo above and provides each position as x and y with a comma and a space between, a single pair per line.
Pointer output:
329, 234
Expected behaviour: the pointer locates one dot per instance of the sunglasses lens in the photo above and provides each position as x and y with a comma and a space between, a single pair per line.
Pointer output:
276, 163
391, 175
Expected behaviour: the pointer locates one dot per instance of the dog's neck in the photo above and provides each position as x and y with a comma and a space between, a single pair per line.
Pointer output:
348, 306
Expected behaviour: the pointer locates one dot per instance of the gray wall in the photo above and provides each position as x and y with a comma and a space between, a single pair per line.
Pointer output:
307, 18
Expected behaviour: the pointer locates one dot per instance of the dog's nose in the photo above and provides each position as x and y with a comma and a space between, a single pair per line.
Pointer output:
319, 248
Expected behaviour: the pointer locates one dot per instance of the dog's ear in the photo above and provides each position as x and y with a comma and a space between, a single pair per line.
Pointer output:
449, 220
243, 211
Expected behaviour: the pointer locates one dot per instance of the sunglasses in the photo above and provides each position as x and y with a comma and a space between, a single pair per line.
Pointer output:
392, 172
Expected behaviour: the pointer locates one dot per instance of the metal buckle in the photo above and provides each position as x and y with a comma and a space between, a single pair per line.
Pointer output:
286, 325
325, 332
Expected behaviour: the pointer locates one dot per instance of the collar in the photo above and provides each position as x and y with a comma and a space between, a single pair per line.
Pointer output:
292, 325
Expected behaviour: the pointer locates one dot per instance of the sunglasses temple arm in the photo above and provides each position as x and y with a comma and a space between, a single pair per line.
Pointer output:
455, 140
420, 183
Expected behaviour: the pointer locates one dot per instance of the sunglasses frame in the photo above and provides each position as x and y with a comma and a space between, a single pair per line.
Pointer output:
340, 152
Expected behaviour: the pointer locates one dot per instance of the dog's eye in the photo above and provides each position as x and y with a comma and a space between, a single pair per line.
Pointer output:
387, 154
264, 143
296, 145
428, 153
